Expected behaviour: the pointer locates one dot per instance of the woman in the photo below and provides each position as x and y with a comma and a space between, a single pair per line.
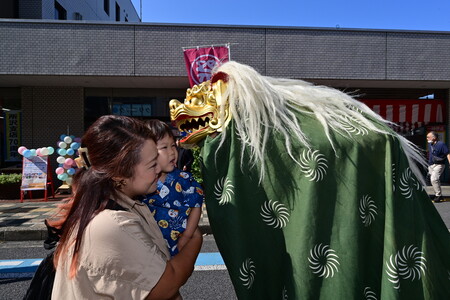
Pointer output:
111, 247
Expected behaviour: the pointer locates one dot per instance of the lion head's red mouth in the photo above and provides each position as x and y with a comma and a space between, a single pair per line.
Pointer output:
192, 125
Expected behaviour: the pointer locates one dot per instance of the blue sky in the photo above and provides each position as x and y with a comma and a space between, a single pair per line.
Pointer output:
372, 14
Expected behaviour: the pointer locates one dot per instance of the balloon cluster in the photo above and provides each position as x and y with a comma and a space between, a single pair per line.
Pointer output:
68, 146
35, 152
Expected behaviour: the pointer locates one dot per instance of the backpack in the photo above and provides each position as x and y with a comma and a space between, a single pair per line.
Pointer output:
41, 285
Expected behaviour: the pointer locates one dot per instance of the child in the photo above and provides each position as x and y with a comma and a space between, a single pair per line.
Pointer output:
176, 205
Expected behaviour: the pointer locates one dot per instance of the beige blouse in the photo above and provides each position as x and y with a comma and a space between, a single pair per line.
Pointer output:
122, 256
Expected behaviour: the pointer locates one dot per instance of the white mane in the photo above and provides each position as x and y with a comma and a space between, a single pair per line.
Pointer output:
260, 104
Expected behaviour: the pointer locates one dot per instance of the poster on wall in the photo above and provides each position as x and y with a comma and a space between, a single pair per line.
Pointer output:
34, 173
12, 140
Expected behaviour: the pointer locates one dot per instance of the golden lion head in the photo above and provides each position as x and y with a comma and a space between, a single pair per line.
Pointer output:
203, 112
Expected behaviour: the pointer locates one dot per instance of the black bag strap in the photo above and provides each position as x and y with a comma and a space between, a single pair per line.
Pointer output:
53, 235
113, 205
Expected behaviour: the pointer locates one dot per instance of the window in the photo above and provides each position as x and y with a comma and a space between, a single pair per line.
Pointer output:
9, 9
60, 12
106, 6
144, 108
77, 16
117, 12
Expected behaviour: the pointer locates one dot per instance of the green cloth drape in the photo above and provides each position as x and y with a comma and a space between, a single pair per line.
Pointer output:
350, 224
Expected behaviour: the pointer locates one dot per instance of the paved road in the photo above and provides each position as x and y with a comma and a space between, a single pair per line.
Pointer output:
207, 282
444, 210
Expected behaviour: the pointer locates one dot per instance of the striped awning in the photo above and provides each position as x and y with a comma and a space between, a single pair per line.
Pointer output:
409, 111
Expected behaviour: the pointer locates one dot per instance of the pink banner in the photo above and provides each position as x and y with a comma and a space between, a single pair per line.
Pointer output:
201, 61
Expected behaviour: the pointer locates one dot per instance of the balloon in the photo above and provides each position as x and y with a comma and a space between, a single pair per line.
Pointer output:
70, 151
72, 136
64, 176
66, 166
21, 149
78, 140
44, 151
61, 137
26, 153
51, 150
69, 180
59, 171
62, 145
75, 145
38, 151
62, 152
33, 152
69, 161
59, 176
71, 171
60, 159
67, 140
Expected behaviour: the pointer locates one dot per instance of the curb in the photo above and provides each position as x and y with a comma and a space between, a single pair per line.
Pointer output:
21, 234
10, 234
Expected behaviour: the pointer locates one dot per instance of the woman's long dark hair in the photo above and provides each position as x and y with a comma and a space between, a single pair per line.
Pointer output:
114, 144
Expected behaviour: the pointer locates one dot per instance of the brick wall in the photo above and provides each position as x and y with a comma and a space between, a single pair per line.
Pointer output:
66, 49
326, 54
159, 48
418, 56
71, 48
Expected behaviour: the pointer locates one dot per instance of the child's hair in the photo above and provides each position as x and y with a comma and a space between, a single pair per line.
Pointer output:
159, 129
114, 144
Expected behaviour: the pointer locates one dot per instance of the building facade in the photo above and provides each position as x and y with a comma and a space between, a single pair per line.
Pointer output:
64, 75
92, 10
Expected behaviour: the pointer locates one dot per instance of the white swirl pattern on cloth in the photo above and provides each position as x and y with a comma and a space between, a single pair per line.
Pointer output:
224, 190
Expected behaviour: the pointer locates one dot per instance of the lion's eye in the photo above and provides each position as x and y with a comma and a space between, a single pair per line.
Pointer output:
197, 101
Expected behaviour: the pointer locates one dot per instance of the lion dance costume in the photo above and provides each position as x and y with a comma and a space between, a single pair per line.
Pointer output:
310, 194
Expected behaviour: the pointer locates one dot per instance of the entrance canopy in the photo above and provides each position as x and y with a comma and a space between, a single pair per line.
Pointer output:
408, 111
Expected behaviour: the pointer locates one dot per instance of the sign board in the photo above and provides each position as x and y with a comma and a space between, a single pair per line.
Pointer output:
34, 173
12, 122
132, 110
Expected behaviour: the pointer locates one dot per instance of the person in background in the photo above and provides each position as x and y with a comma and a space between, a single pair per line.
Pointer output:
176, 205
437, 155
111, 246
